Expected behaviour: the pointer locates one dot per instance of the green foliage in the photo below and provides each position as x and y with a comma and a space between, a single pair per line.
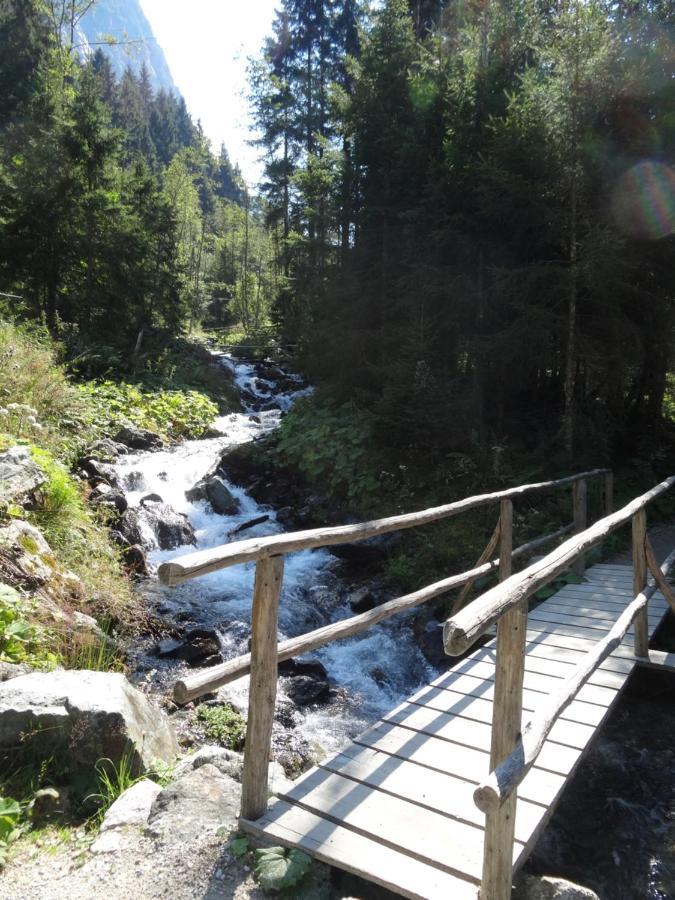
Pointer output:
223, 724
21, 640
175, 414
239, 846
113, 780
10, 816
331, 446
557, 584
277, 868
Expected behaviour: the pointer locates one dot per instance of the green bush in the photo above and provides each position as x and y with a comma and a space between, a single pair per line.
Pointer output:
174, 414
223, 724
21, 640
333, 449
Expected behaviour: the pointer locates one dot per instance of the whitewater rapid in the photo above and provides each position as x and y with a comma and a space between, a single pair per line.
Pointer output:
370, 674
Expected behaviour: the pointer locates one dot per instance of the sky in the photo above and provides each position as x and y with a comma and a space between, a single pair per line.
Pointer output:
207, 44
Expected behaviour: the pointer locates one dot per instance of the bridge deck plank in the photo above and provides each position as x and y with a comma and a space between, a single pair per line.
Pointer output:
396, 805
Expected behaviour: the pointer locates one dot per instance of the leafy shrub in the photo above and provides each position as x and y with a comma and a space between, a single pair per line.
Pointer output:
278, 869
223, 724
10, 817
175, 414
332, 447
21, 641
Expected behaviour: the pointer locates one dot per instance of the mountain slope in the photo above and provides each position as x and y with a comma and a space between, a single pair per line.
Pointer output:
125, 21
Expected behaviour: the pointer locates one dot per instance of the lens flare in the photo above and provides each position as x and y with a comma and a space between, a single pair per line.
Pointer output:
643, 202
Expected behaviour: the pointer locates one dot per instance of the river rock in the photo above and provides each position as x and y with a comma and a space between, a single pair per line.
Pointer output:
12, 670
296, 667
105, 495
136, 560
139, 438
151, 498
304, 690
129, 529
98, 471
203, 800
536, 887
171, 528
430, 641
213, 488
86, 716
362, 600
20, 475
107, 450
133, 806
198, 647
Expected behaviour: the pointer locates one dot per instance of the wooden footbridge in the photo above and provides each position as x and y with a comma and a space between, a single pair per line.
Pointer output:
448, 793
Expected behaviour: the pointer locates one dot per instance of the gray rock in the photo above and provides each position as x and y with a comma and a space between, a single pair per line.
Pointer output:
98, 471
139, 438
19, 474
133, 806
304, 690
213, 488
231, 763
199, 646
129, 528
107, 449
200, 801
171, 528
536, 887
111, 842
89, 715
12, 670
151, 498
362, 600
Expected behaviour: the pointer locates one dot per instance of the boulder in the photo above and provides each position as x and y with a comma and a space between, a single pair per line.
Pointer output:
171, 528
98, 471
198, 647
105, 495
129, 529
304, 690
296, 667
107, 450
133, 806
430, 641
201, 801
136, 561
151, 498
12, 670
19, 474
536, 887
26, 560
84, 716
213, 488
362, 600
139, 438
231, 763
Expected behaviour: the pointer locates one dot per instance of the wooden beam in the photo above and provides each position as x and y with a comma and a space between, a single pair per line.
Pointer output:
506, 723
504, 780
639, 530
192, 565
462, 630
485, 556
192, 686
263, 688
580, 519
664, 585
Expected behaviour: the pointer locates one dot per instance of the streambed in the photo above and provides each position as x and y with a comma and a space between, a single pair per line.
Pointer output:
368, 674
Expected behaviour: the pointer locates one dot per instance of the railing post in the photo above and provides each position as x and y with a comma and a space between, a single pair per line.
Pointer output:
506, 723
639, 581
580, 515
609, 493
263, 686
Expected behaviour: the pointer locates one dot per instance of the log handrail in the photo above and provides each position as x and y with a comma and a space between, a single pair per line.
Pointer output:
464, 629
505, 778
201, 562
186, 689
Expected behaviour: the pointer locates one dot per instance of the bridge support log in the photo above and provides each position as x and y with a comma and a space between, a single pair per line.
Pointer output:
263, 687
506, 724
640, 581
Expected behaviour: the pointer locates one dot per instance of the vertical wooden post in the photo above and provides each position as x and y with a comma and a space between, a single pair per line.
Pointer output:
506, 724
639, 581
263, 686
609, 493
580, 515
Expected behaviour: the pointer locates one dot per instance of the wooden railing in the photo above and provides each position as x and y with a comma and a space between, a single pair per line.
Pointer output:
514, 750
268, 553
